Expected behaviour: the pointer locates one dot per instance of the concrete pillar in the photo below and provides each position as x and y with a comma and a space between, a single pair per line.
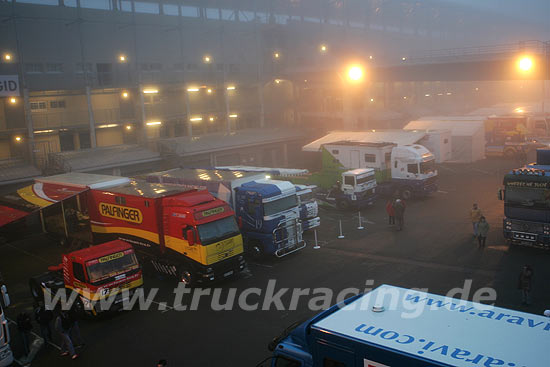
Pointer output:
91, 117
227, 110
285, 155
213, 161
188, 115
262, 107
30, 126
143, 114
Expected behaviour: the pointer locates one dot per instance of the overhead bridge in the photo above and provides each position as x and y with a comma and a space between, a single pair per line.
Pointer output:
489, 63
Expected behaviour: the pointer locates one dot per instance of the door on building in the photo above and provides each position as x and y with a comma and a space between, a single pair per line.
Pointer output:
42, 149
354, 159
66, 141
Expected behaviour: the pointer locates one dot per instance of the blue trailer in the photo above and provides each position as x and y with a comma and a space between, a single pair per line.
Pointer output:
397, 327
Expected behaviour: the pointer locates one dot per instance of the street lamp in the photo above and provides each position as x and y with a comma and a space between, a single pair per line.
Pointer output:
207, 59
122, 58
525, 63
276, 55
355, 73
323, 48
13, 100
125, 95
7, 57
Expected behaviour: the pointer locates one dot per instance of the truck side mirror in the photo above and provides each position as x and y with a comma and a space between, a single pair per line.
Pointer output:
191, 237
5, 296
500, 196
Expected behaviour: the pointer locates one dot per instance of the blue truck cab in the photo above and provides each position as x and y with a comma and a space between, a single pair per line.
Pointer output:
309, 208
397, 327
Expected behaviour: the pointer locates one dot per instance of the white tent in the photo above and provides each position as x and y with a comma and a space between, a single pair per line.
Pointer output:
399, 137
468, 135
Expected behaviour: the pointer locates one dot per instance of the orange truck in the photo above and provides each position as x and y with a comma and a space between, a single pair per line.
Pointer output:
95, 274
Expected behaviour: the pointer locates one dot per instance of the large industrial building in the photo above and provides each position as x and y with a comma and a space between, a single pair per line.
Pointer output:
102, 73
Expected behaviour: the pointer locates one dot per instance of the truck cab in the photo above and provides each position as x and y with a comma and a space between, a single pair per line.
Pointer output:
95, 274
357, 189
527, 203
6, 355
309, 209
413, 170
269, 213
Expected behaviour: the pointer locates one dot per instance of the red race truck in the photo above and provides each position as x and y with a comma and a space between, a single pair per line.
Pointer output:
95, 273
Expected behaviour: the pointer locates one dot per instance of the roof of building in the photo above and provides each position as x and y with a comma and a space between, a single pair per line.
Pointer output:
104, 157
14, 171
399, 137
187, 146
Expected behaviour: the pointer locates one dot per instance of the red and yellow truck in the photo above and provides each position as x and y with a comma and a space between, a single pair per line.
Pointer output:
185, 233
95, 274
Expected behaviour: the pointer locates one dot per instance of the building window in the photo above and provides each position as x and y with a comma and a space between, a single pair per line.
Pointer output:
219, 67
370, 158
57, 104
445, 141
54, 67
234, 68
104, 73
81, 67
335, 151
34, 68
38, 106
151, 67
192, 67
388, 157
179, 66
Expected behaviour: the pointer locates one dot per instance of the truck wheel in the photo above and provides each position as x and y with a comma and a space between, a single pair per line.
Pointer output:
36, 291
342, 205
186, 276
406, 193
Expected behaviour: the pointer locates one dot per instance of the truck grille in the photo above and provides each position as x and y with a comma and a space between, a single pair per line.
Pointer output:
528, 227
431, 180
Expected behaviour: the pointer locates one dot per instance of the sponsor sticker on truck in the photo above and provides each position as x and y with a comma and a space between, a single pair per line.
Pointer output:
131, 215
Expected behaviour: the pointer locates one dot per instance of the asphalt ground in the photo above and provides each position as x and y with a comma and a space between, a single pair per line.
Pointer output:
435, 250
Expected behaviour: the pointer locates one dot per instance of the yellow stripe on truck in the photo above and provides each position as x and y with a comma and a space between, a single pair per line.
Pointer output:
150, 236
96, 296
28, 194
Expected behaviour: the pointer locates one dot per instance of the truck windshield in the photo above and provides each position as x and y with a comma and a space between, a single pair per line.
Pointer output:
428, 166
218, 230
306, 197
108, 266
528, 197
364, 179
280, 205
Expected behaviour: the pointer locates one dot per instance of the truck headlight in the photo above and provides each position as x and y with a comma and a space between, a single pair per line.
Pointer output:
209, 270
240, 258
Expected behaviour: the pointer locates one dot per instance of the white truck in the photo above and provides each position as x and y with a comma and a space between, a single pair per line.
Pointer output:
404, 170
6, 355
392, 326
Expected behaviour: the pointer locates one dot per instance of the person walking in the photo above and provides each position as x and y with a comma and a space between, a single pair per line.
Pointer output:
43, 318
524, 284
63, 325
391, 212
482, 230
399, 209
24, 325
475, 216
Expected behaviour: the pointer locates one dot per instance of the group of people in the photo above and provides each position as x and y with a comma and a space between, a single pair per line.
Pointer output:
396, 212
480, 225
65, 323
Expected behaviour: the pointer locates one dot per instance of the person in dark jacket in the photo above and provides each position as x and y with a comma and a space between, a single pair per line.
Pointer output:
399, 208
44, 318
390, 211
482, 231
63, 325
24, 325
524, 284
